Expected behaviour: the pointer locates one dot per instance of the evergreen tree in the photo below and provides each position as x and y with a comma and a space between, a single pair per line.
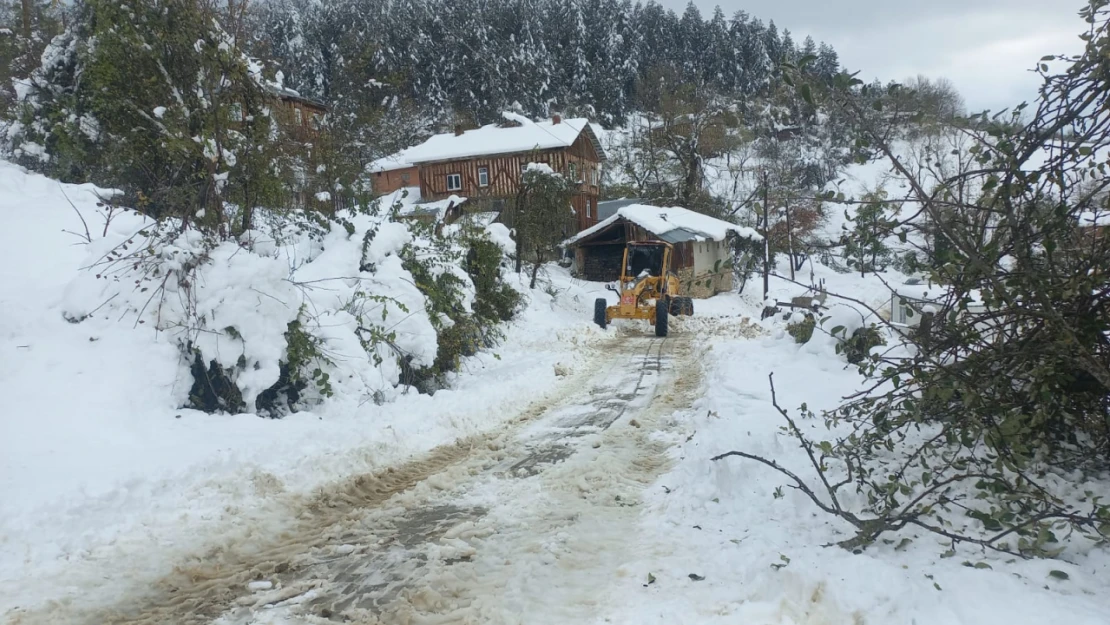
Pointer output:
164, 106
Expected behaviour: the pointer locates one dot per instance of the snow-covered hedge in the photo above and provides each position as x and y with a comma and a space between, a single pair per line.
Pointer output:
300, 309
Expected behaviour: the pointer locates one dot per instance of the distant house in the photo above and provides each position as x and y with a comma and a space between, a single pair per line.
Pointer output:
913, 302
300, 120
702, 245
300, 117
485, 164
1092, 226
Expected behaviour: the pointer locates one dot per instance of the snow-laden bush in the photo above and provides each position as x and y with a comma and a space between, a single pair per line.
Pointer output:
301, 309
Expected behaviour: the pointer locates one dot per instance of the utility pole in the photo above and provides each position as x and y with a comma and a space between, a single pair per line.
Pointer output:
766, 239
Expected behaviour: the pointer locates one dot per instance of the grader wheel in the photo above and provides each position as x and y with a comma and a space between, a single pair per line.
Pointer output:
662, 309
599, 312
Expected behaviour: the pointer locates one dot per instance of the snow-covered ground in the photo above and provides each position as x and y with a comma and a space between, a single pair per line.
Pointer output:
758, 543
99, 467
582, 486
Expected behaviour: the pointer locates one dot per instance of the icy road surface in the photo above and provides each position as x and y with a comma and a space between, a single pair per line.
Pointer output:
528, 525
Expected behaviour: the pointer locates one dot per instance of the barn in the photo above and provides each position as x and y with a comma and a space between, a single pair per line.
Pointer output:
702, 245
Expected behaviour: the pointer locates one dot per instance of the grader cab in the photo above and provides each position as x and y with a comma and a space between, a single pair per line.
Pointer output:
647, 288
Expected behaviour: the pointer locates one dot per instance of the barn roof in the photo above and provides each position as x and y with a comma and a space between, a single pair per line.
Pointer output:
492, 139
608, 208
672, 224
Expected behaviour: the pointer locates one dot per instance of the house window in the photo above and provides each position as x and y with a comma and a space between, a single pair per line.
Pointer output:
405, 178
483, 176
898, 311
298, 116
454, 182
235, 112
589, 208
572, 169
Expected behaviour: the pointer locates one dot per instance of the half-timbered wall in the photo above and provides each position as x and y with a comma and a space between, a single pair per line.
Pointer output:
504, 177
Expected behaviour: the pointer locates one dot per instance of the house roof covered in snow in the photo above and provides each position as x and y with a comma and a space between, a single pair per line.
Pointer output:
524, 136
608, 208
286, 93
671, 224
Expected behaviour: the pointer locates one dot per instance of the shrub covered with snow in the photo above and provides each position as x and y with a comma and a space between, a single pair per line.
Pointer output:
299, 310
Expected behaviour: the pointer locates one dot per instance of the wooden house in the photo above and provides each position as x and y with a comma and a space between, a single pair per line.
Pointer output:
702, 246
300, 118
485, 164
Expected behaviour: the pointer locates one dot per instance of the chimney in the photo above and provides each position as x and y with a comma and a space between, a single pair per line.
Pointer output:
556, 118
458, 130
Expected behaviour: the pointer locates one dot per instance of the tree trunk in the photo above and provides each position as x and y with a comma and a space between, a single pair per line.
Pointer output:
25, 16
536, 269
766, 240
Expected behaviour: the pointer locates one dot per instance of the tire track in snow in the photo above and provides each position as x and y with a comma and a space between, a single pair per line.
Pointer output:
534, 537
435, 538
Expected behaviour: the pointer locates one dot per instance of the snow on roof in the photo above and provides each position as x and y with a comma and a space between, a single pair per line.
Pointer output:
673, 224
489, 140
933, 293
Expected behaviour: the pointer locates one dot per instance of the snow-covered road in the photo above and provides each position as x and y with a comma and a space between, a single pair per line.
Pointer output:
528, 524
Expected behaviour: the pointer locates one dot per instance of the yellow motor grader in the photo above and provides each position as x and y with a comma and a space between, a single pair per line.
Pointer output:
647, 288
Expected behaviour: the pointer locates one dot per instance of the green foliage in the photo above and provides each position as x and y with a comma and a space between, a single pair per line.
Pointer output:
494, 301
540, 215
459, 333
301, 368
747, 258
23, 37
163, 105
802, 330
304, 355
864, 246
857, 348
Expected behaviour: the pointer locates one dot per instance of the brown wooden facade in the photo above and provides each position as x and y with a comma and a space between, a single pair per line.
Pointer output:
300, 117
464, 177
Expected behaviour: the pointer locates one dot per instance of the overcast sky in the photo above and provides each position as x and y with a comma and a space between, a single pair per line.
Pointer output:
984, 46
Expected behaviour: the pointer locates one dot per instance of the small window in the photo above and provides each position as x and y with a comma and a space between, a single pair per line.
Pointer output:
483, 176
454, 182
317, 121
572, 169
298, 116
589, 208
235, 112
405, 178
